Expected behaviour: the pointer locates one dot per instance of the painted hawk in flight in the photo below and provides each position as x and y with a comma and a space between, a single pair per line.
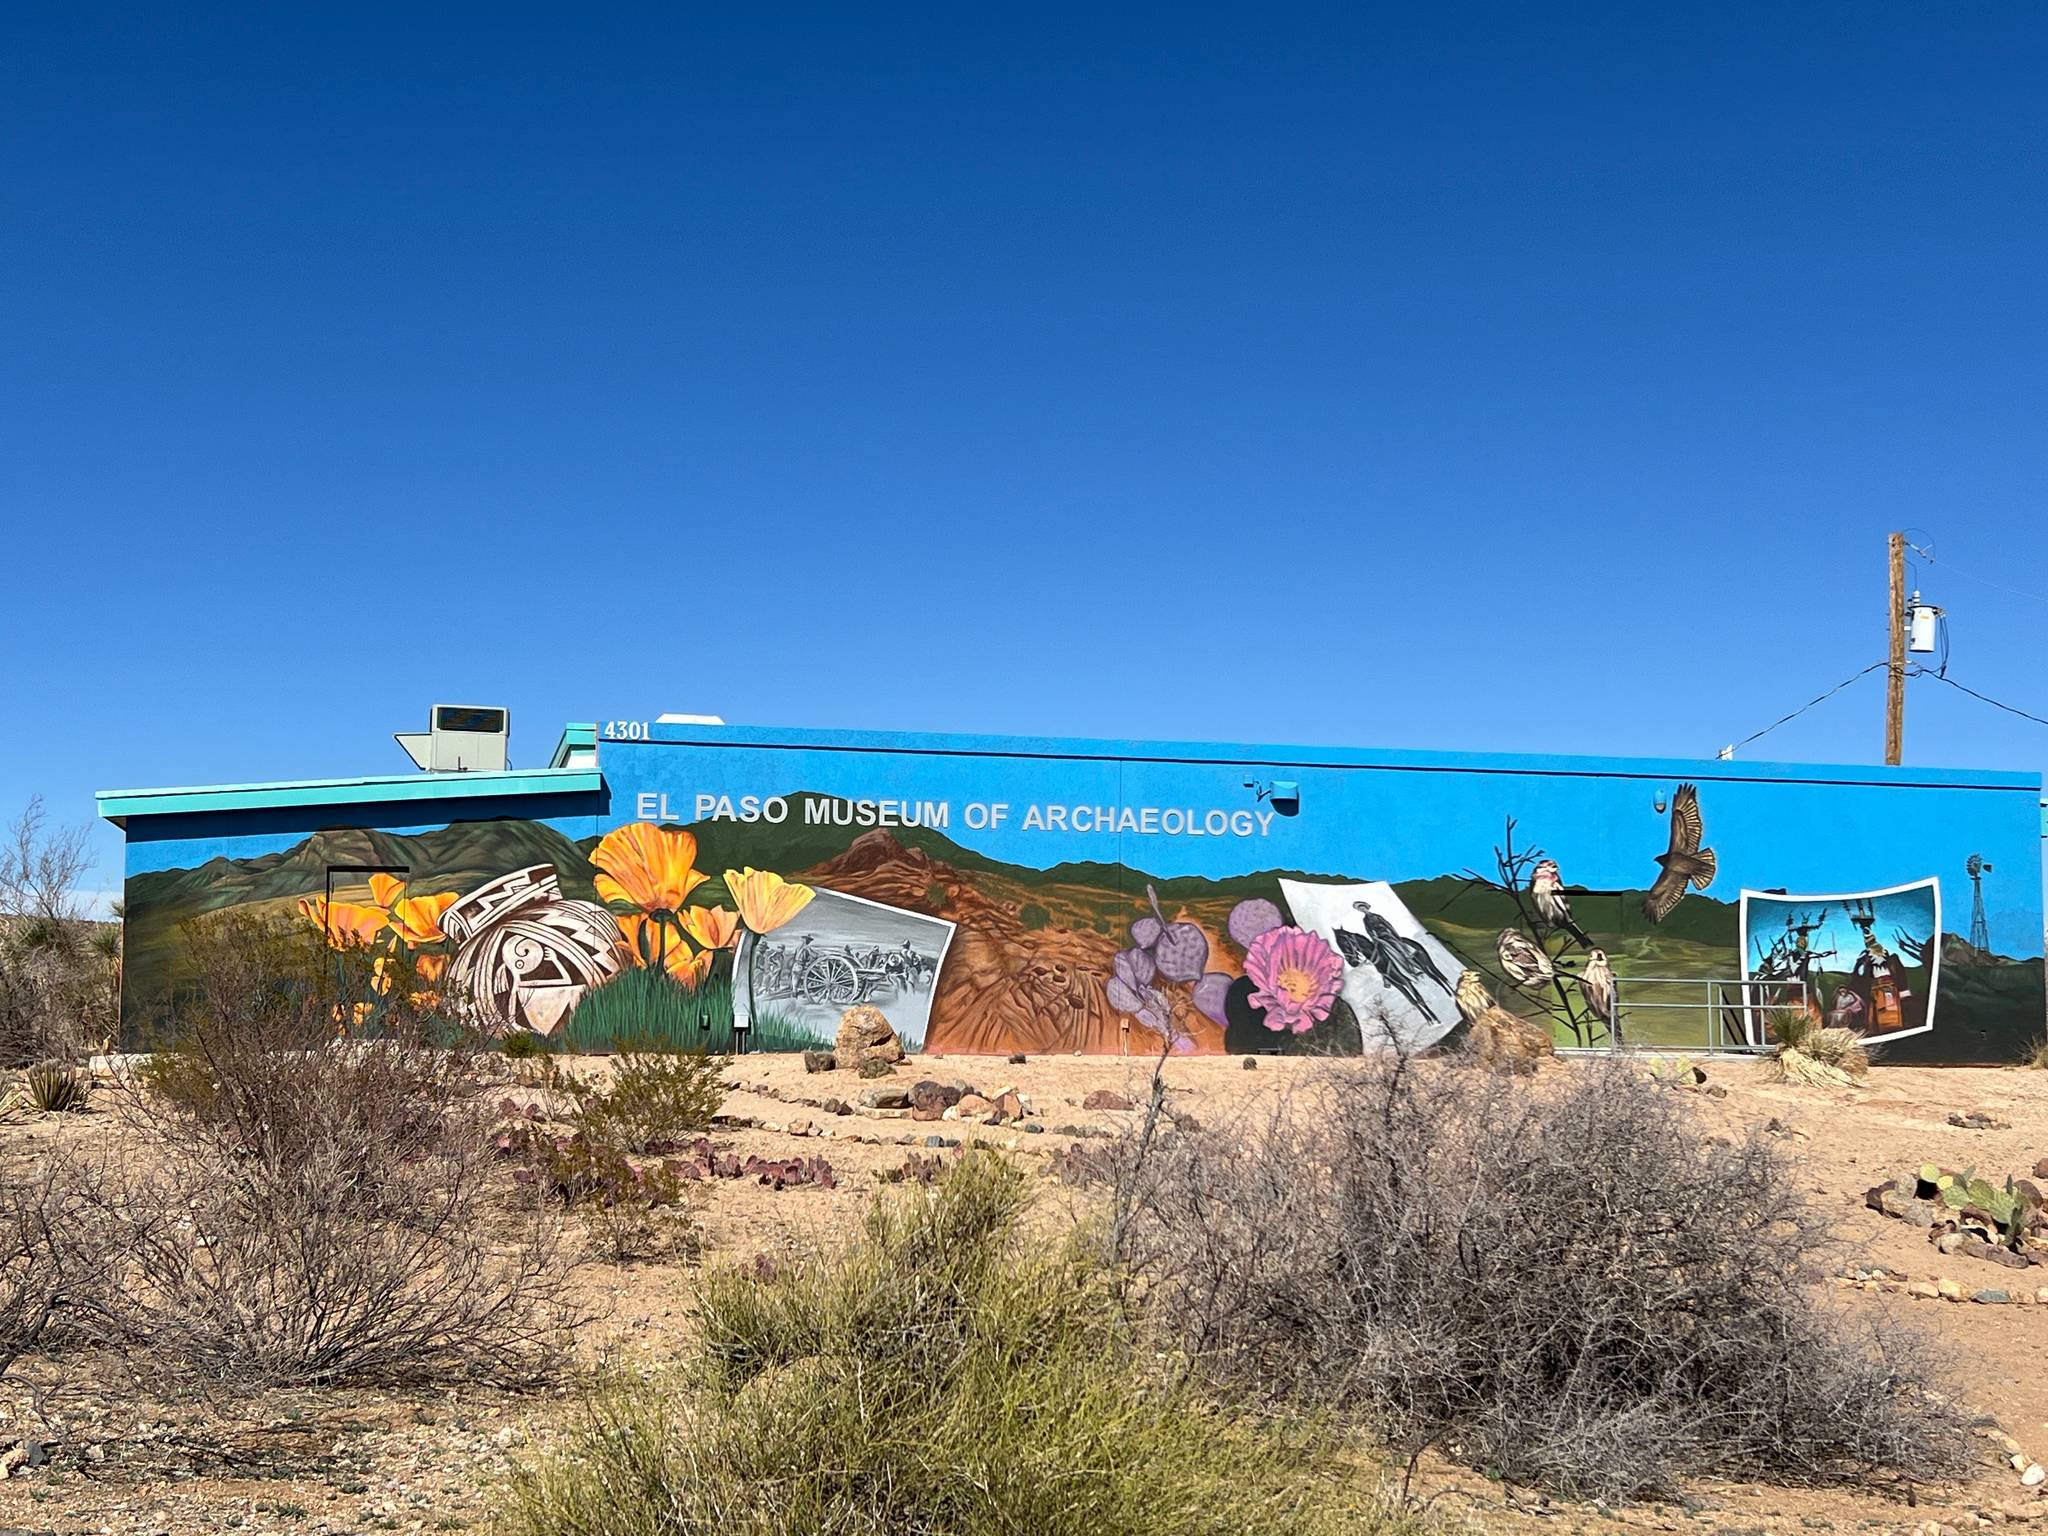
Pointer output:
1685, 863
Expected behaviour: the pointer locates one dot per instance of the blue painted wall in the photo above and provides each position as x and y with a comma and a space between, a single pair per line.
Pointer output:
1029, 860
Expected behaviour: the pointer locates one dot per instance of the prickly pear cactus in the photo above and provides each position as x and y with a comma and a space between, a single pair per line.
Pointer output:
2014, 1212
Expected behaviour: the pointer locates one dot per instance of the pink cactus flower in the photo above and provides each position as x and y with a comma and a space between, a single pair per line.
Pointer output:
1296, 976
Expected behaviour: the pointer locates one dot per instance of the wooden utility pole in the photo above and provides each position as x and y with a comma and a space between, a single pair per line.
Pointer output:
1895, 678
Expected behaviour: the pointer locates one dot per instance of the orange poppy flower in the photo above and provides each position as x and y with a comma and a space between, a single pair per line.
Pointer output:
386, 890
711, 927
647, 866
347, 924
766, 900
651, 945
426, 969
691, 972
354, 1014
417, 919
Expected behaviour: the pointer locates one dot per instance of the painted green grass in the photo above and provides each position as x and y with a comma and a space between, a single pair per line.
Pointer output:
648, 1007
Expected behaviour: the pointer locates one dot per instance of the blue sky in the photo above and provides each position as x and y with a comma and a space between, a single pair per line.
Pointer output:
1472, 377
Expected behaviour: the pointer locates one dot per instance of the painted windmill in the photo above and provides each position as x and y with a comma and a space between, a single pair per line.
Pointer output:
1980, 928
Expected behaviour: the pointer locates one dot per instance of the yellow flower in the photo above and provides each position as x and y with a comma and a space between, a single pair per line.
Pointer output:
647, 866
711, 927
386, 890
417, 919
347, 924
766, 900
651, 945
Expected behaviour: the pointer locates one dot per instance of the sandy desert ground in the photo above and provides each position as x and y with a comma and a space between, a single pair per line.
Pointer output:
343, 1461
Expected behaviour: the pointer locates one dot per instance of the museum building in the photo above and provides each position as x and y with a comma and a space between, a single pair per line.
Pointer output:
742, 887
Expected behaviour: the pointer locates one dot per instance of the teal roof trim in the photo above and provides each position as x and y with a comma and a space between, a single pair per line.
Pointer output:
575, 738
117, 805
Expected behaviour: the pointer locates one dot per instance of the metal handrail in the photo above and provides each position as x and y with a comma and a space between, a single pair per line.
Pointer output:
1715, 1005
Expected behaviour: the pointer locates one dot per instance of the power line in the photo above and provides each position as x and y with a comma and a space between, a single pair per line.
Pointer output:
1926, 553
1985, 697
1809, 704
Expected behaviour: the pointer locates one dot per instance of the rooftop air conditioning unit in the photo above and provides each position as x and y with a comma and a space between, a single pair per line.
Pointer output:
461, 738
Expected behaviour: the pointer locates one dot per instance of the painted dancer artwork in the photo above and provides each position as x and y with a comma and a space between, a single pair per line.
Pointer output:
835, 952
1868, 961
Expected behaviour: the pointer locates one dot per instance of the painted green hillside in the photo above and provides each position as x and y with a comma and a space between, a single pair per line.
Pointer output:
453, 858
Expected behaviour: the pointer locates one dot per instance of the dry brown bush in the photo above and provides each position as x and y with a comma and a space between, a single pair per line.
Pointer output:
311, 1205
1570, 1283
59, 1254
59, 971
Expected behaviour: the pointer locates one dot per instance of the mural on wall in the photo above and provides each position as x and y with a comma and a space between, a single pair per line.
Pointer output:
731, 925
839, 951
1398, 977
1545, 962
1869, 961
525, 957
652, 956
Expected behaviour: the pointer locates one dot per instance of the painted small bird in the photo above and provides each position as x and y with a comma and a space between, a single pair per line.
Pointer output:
1493, 1035
1596, 985
1522, 962
1685, 863
1546, 889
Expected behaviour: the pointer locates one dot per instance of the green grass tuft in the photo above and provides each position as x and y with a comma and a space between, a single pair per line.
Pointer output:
942, 1373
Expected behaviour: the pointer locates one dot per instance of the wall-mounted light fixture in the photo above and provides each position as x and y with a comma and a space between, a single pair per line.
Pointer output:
1284, 794
1659, 802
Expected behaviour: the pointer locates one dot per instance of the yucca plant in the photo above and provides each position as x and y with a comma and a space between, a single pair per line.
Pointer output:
55, 1088
1810, 1052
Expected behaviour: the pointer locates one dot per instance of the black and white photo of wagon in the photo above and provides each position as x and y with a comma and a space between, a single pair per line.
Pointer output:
842, 951
843, 974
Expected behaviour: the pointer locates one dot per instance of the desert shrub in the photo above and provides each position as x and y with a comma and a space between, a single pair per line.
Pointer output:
2037, 1055
632, 1208
524, 1045
639, 1212
59, 970
55, 1087
266, 1056
58, 1255
653, 1098
1032, 916
311, 1207
602, 1150
941, 1373
1571, 1283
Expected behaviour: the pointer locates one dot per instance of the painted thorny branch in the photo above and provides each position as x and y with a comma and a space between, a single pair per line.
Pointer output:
1512, 881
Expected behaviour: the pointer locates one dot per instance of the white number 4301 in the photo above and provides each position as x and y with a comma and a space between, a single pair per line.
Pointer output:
625, 730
